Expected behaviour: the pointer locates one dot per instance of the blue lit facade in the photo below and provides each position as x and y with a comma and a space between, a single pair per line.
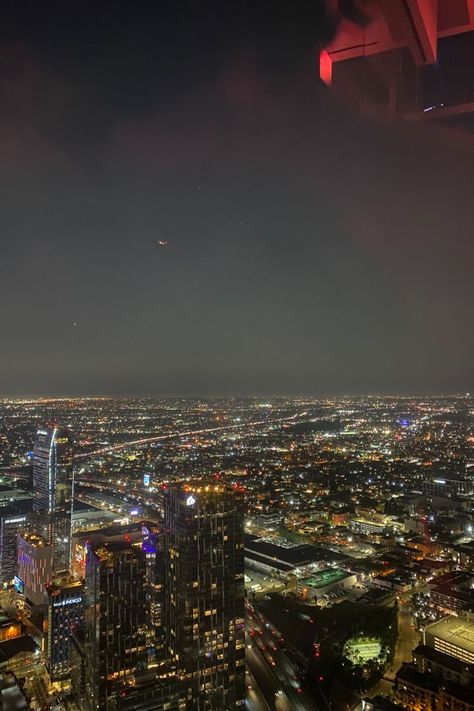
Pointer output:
65, 617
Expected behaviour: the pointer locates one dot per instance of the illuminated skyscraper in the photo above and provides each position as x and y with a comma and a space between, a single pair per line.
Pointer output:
53, 490
65, 617
15, 511
116, 620
34, 567
204, 592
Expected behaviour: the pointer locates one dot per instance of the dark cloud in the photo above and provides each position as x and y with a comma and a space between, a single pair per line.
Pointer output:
310, 249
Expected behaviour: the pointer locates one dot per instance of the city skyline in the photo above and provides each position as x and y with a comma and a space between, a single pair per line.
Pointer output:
303, 553
236, 363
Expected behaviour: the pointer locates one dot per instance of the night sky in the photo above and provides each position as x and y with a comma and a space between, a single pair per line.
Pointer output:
310, 249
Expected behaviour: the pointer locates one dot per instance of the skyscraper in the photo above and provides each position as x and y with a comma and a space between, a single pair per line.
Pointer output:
34, 567
53, 490
65, 617
15, 511
164, 617
152, 546
116, 620
204, 592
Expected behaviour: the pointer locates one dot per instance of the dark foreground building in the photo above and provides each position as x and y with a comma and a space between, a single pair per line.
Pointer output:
204, 592
201, 667
116, 621
164, 626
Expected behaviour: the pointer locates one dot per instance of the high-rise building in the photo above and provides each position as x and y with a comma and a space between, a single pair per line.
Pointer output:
65, 616
447, 486
152, 546
116, 533
34, 567
78, 667
53, 490
116, 620
204, 592
164, 615
15, 510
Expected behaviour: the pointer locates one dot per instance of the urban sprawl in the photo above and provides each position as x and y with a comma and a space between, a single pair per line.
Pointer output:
211, 554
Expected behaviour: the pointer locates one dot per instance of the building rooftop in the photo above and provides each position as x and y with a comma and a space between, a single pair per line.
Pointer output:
9, 648
325, 577
16, 508
410, 674
458, 586
430, 564
278, 565
380, 703
106, 551
35, 540
369, 522
63, 582
8, 495
449, 662
294, 556
205, 486
132, 530
454, 630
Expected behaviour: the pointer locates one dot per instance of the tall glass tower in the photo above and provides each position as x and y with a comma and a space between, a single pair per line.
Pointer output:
53, 490
204, 592
116, 620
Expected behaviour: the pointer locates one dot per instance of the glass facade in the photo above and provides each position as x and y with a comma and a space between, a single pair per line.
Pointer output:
34, 567
116, 620
65, 616
53, 490
11, 524
204, 592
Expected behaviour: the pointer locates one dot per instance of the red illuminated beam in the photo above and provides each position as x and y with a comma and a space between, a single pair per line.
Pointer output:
423, 16
325, 67
401, 23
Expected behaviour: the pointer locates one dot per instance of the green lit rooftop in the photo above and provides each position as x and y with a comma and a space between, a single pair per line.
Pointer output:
325, 577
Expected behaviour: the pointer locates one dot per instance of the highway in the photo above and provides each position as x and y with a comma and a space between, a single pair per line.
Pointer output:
275, 675
188, 433
255, 699
11, 468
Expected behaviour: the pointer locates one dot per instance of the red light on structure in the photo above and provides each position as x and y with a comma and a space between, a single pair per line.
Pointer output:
325, 67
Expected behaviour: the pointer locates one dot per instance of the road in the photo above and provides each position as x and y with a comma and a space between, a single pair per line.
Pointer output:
407, 638
255, 699
275, 675
188, 433
407, 641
